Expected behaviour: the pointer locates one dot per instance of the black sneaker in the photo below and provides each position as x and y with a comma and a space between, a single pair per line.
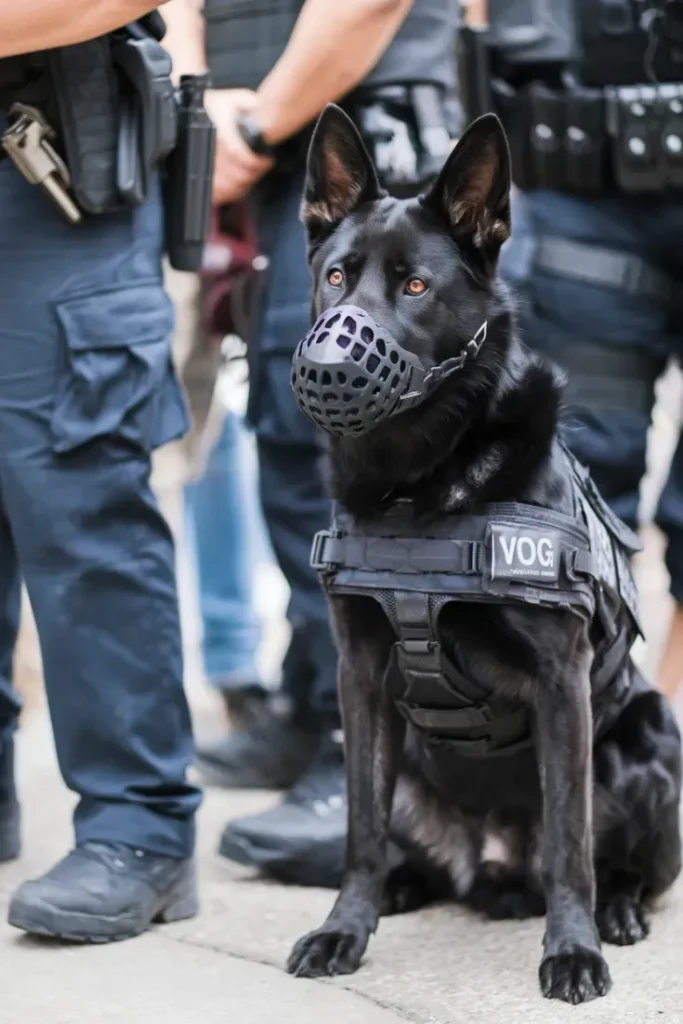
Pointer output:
10, 836
273, 753
303, 840
104, 892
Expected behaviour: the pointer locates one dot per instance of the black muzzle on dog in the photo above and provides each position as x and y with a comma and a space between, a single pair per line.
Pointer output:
350, 376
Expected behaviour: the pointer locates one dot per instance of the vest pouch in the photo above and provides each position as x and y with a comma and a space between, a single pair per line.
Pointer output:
671, 134
634, 127
585, 141
474, 72
87, 95
148, 124
547, 109
512, 107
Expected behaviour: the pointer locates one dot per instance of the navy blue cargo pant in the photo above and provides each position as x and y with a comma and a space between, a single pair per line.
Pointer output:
295, 504
86, 392
614, 340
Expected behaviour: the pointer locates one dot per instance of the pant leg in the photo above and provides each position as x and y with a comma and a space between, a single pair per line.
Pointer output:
669, 518
224, 523
669, 513
295, 508
557, 313
295, 502
87, 391
10, 609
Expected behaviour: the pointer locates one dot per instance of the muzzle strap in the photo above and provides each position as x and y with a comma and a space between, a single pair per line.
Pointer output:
436, 376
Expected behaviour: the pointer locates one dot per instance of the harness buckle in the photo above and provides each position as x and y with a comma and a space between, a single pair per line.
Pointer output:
317, 561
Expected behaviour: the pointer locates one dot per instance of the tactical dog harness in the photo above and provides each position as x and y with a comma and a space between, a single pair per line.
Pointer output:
511, 553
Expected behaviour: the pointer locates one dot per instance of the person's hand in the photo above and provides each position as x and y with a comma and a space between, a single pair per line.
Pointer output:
237, 168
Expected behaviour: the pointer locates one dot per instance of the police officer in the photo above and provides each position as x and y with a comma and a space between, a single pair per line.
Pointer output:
592, 96
86, 392
276, 67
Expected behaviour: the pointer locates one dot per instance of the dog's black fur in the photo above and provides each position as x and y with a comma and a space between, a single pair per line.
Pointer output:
583, 829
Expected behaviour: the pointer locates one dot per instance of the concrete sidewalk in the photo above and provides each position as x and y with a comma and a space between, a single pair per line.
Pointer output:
441, 966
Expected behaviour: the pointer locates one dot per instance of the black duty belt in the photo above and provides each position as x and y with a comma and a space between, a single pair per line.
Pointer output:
606, 268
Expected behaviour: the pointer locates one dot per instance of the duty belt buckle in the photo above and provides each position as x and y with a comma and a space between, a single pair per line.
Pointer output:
26, 143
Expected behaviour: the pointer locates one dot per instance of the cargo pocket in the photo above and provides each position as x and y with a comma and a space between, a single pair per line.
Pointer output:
119, 380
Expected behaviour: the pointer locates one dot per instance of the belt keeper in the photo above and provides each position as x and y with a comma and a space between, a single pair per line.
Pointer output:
579, 563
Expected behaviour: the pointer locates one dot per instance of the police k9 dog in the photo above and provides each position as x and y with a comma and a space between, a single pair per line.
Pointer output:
502, 749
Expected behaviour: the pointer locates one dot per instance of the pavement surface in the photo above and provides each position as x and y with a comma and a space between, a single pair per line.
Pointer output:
439, 966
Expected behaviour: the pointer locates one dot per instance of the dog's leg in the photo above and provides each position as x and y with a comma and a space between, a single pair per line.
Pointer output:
637, 797
373, 735
572, 968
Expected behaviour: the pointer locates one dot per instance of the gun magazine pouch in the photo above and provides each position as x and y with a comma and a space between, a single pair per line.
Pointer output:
569, 80
86, 93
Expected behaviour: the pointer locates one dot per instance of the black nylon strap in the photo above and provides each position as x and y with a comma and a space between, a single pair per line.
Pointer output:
388, 553
602, 378
596, 265
436, 697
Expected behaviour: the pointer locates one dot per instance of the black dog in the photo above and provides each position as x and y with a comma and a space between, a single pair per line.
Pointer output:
584, 824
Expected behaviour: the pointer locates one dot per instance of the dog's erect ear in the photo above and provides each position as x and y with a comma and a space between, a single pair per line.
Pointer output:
472, 192
339, 174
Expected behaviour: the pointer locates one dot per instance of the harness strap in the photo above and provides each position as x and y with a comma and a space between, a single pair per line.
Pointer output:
435, 697
332, 548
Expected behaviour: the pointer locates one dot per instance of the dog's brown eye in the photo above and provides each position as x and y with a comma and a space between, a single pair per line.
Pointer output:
335, 277
415, 286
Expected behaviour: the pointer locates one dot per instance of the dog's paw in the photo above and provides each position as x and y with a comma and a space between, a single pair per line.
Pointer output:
332, 949
575, 977
622, 920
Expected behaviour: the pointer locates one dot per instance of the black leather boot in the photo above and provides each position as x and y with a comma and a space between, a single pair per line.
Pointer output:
103, 892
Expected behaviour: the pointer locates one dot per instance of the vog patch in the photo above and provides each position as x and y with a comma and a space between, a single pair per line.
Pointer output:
522, 552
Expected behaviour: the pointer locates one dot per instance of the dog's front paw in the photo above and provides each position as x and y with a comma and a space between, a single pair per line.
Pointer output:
332, 949
575, 977
622, 920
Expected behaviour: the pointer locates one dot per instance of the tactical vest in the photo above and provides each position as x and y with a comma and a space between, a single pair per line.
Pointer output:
509, 553
245, 38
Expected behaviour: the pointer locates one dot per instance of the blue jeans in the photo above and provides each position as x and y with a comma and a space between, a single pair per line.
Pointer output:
558, 312
225, 524
87, 391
